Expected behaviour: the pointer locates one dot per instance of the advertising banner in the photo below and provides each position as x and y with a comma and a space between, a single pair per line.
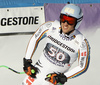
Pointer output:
21, 19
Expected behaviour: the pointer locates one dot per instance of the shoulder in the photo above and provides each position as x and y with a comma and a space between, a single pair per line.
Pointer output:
49, 24
82, 41
79, 35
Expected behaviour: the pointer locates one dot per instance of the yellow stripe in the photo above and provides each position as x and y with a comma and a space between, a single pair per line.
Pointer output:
78, 55
86, 62
37, 42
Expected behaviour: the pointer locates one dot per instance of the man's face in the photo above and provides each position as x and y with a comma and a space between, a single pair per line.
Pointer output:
66, 28
67, 23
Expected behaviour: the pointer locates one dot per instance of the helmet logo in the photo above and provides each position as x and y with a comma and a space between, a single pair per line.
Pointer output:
69, 10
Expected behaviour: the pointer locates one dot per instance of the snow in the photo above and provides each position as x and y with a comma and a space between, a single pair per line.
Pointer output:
12, 51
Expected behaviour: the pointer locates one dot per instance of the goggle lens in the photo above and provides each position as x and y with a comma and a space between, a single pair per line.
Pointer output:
70, 20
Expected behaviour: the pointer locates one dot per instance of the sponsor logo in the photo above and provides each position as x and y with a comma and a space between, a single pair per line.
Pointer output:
69, 10
83, 45
67, 38
82, 61
48, 25
76, 42
37, 34
56, 55
54, 61
61, 44
19, 21
53, 28
29, 81
83, 53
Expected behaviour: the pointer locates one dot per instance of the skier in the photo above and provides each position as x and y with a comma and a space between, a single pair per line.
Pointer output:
64, 45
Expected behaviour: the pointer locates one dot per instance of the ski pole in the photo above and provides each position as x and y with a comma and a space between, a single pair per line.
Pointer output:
16, 71
58, 84
12, 69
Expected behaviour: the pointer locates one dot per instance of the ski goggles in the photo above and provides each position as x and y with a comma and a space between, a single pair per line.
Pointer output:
70, 20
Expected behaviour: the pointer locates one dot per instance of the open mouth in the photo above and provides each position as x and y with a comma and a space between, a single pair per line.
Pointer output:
65, 27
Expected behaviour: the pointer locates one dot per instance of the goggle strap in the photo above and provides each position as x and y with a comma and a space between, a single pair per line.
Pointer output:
79, 19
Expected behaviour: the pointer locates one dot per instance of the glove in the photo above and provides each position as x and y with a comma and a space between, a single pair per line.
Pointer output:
55, 78
29, 69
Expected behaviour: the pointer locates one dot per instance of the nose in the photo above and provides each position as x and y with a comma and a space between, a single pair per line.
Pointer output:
65, 23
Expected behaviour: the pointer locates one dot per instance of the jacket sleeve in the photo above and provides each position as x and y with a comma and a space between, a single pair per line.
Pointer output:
83, 60
33, 43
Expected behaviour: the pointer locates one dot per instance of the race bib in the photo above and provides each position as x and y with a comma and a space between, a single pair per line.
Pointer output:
56, 55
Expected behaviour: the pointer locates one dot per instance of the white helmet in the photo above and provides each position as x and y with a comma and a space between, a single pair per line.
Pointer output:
74, 11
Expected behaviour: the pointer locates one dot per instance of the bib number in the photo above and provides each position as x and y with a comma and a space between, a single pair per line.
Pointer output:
59, 56
56, 55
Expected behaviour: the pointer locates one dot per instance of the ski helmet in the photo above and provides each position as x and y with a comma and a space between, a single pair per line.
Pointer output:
74, 11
